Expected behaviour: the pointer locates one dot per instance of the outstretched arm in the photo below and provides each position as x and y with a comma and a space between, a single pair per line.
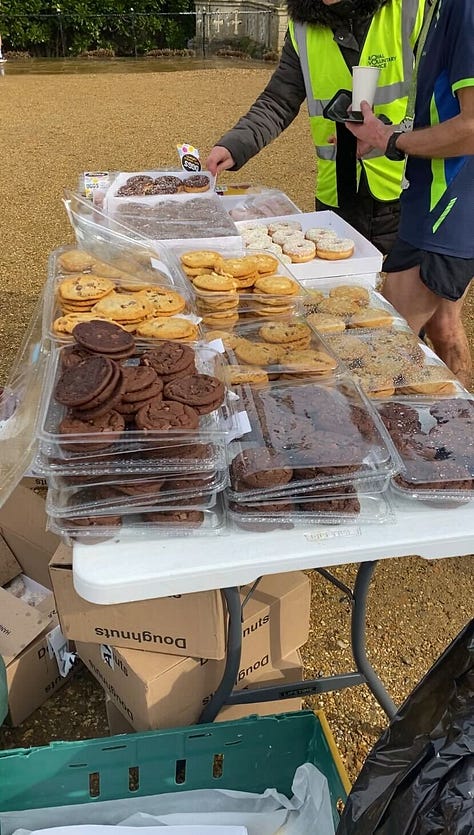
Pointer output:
271, 113
452, 138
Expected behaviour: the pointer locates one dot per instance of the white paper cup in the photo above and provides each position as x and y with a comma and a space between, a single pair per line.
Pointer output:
364, 85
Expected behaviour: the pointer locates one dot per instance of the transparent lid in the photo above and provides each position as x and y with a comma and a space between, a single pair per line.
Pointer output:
435, 441
19, 406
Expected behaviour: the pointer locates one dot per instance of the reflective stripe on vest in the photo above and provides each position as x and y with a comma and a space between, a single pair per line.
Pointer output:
389, 44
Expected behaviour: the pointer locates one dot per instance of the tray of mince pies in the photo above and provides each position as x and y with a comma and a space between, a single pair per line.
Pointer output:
110, 402
435, 440
392, 361
230, 289
149, 299
309, 439
340, 303
258, 352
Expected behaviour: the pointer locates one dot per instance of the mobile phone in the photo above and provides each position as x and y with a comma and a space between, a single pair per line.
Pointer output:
337, 108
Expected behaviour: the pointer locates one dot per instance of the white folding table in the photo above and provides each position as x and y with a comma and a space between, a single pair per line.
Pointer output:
131, 568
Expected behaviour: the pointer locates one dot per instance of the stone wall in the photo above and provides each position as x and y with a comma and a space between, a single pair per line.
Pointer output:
230, 20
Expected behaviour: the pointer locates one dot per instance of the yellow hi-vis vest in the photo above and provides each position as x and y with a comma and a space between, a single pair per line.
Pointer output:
389, 45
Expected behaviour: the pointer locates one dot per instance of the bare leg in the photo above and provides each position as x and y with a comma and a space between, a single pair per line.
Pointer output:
406, 291
448, 337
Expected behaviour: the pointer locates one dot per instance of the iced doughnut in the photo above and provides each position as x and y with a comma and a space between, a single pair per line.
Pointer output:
317, 232
284, 224
260, 242
281, 236
300, 250
335, 249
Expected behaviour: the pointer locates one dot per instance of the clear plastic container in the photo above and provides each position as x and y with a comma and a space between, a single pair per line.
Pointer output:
284, 348
307, 434
212, 427
268, 203
348, 302
264, 287
150, 520
387, 362
345, 509
190, 491
128, 270
435, 439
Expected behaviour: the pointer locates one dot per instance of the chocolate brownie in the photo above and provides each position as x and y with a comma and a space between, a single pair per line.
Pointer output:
80, 384
400, 417
170, 359
446, 410
106, 338
164, 415
260, 467
111, 424
200, 390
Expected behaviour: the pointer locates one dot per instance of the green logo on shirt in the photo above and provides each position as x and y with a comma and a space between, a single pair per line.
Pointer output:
380, 60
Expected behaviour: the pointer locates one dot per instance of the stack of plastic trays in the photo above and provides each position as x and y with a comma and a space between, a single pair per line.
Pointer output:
435, 439
318, 454
168, 479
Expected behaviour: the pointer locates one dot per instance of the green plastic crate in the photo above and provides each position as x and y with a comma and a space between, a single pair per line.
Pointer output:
246, 755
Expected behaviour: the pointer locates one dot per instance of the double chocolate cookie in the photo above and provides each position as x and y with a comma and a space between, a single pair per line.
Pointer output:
164, 415
259, 467
106, 338
170, 360
201, 391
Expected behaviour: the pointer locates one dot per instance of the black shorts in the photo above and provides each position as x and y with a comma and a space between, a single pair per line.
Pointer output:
444, 275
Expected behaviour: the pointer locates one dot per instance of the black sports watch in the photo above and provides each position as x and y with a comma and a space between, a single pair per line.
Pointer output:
392, 152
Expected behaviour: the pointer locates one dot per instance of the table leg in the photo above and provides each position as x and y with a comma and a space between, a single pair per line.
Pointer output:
358, 634
225, 694
234, 652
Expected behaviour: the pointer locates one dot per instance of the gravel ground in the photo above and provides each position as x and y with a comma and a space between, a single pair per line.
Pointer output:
55, 126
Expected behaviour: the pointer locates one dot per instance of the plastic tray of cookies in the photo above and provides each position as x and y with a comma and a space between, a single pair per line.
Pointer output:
193, 217
351, 255
147, 297
309, 435
435, 439
180, 522
337, 304
230, 289
392, 361
265, 350
177, 459
343, 507
93, 403
199, 490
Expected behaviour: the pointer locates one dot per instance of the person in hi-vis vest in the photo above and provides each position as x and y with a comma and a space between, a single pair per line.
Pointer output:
325, 39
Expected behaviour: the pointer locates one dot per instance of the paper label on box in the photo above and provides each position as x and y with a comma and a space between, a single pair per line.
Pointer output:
57, 647
95, 181
189, 157
237, 425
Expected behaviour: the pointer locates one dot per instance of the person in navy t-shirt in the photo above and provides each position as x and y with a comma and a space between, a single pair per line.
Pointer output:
431, 264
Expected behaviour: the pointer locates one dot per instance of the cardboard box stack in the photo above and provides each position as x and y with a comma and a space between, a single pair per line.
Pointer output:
159, 661
28, 621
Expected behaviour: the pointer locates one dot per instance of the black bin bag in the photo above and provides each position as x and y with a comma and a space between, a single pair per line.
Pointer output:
419, 777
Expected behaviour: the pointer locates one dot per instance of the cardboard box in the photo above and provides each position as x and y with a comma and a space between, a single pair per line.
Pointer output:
23, 527
161, 691
190, 625
31, 668
32, 671
118, 724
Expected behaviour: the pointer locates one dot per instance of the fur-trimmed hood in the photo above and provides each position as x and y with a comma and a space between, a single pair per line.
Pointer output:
315, 11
